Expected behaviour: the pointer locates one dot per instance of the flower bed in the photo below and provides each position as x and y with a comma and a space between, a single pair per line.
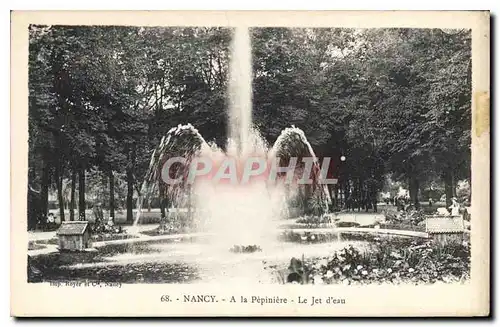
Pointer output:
413, 220
409, 218
314, 220
402, 226
167, 230
94, 237
307, 237
369, 237
111, 237
388, 260
347, 224
295, 226
245, 249
323, 237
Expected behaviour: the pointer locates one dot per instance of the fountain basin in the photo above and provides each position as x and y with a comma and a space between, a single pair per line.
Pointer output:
189, 258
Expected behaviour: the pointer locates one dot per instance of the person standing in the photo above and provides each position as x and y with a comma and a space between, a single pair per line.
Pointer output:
455, 207
98, 214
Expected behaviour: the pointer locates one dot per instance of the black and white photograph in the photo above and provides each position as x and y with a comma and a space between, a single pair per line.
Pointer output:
249, 155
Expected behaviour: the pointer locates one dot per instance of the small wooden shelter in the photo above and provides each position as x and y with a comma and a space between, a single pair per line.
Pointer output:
74, 236
445, 229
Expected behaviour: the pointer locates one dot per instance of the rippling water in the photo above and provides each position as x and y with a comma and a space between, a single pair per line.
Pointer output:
180, 262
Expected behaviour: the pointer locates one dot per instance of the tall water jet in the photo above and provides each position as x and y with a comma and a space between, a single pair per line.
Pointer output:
240, 89
240, 214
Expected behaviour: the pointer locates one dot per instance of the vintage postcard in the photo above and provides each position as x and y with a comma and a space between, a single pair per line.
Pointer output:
250, 163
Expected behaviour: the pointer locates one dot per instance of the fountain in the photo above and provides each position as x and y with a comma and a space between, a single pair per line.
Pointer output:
237, 233
243, 213
235, 216
236, 225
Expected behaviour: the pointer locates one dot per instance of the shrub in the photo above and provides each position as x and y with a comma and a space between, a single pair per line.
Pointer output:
347, 224
35, 246
316, 206
314, 220
411, 217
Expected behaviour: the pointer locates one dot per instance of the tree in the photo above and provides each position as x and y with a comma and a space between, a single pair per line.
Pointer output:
392, 101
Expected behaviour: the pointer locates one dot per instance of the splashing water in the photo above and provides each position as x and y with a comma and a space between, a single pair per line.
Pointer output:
242, 214
182, 141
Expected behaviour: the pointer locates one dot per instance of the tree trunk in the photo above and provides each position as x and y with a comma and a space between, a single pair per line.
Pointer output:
347, 196
130, 186
33, 209
44, 194
130, 195
360, 194
111, 196
333, 195
33, 202
81, 194
448, 187
58, 178
163, 219
162, 202
337, 196
73, 191
453, 184
341, 202
414, 187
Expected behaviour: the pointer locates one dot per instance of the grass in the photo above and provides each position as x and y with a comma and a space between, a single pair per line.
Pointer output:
56, 266
35, 246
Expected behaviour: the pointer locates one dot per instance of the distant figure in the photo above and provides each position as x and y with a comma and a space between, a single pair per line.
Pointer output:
50, 222
400, 203
455, 207
50, 218
98, 213
430, 202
